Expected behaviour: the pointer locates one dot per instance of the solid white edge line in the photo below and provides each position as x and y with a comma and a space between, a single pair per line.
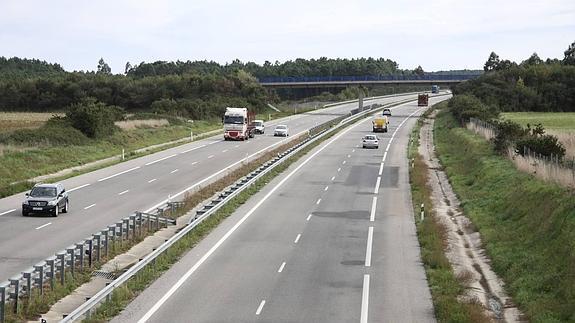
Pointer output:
318, 201
118, 174
159, 160
384, 157
376, 190
282, 267
123, 192
373, 208
297, 238
43, 226
195, 267
175, 170
261, 307
380, 169
326, 188
333, 177
192, 149
6, 212
308, 217
369, 246
90, 206
365, 299
152, 180
76, 188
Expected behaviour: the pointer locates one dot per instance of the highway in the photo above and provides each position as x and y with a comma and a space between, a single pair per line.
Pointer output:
102, 197
332, 239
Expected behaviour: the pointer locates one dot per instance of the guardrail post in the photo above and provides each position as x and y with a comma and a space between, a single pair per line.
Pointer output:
51, 264
106, 242
140, 222
2, 304
89, 251
81, 247
119, 225
126, 222
157, 219
133, 220
112, 230
28, 277
16, 294
62, 259
40, 279
97, 246
72, 253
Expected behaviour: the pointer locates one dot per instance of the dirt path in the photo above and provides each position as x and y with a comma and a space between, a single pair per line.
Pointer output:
464, 250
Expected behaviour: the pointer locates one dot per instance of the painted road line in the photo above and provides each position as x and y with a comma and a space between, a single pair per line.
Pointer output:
326, 188
343, 162
365, 299
339, 169
373, 208
118, 174
236, 146
43, 226
261, 307
376, 190
89, 206
159, 160
123, 192
210, 156
380, 169
387, 148
225, 237
152, 180
353, 150
369, 246
76, 188
175, 170
308, 217
297, 238
194, 163
318, 201
282, 267
6, 212
384, 156
192, 149
225, 150
348, 156
332, 178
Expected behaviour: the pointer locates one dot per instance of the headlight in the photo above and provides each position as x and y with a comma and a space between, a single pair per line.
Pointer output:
52, 203
25, 202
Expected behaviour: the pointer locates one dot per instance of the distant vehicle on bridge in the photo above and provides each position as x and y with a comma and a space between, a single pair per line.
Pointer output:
435, 88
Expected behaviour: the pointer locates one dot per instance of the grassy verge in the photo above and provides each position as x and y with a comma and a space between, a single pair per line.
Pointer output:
444, 285
527, 225
564, 121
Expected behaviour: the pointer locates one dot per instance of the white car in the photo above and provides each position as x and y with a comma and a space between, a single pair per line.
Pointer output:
370, 141
281, 130
259, 126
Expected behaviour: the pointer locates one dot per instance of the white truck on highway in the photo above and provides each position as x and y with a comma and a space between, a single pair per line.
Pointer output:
238, 124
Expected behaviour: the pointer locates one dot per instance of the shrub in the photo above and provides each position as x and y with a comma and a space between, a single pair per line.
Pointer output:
94, 119
465, 107
507, 132
546, 145
56, 132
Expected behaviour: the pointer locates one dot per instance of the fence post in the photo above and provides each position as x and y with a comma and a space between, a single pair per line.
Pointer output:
40, 279
97, 246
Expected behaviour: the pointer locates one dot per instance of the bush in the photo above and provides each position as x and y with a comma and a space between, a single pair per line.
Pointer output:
546, 145
507, 132
465, 107
56, 132
94, 119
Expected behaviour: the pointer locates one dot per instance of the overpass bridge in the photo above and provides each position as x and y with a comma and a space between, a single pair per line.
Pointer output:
345, 81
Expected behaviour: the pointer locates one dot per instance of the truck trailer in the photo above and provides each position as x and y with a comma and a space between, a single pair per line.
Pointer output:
238, 124
422, 100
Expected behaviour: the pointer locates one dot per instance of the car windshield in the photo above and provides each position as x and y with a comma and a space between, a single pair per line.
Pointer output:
43, 192
370, 137
281, 127
259, 124
234, 119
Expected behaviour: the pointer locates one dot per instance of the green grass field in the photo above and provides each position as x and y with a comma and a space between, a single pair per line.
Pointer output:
563, 121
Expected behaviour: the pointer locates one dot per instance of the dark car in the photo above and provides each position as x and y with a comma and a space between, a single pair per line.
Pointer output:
46, 199
386, 112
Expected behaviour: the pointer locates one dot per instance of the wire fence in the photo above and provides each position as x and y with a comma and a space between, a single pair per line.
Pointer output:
549, 168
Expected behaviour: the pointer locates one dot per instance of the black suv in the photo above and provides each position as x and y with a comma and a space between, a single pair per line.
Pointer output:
46, 198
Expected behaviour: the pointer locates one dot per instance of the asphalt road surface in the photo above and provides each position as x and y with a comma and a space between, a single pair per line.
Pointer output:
105, 196
332, 239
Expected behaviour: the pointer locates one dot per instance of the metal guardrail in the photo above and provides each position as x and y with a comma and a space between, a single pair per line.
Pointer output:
211, 207
79, 256
425, 77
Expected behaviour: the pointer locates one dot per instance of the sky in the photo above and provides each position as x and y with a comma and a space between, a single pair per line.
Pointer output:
436, 34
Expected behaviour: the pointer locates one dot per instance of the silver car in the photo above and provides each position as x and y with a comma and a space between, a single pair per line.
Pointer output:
370, 141
281, 130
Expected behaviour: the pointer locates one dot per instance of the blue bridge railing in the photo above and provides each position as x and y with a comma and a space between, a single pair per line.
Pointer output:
429, 77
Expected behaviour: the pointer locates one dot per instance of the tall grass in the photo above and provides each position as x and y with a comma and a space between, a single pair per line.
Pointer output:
527, 225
